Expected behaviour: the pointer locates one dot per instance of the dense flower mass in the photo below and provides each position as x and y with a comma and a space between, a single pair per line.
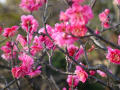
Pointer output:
10, 32
70, 36
29, 23
31, 5
26, 68
74, 20
104, 18
113, 55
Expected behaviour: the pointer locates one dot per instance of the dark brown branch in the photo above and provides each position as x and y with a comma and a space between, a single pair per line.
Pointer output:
103, 39
9, 84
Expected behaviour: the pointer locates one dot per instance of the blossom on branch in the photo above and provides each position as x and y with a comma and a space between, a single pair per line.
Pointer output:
29, 23
31, 5
104, 18
10, 32
113, 55
81, 74
26, 68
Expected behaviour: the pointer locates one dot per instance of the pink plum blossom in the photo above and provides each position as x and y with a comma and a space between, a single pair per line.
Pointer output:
26, 60
79, 14
44, 40
77, 30
1, 29
101, 73
104, 18
63, 16
29, 23
22, 40
63, 39
31, 5
9, 51
75, 51
26, 68
81, 74
18, 72
113, 55
10, 32
92, 72
35, 72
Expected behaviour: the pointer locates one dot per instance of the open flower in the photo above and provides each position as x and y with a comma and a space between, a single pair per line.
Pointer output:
81, 74
10, 32
113, 55
31, 5
29, 23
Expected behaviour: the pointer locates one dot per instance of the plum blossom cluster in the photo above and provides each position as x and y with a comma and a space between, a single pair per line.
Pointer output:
64, 34
74, 21
81, 75
31, 5
104, 18
26, 67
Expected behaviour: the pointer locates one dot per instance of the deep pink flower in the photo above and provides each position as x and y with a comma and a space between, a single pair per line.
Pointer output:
26, 60
81, 74
113, 55
97, 31
18, 72
26, 67
8, 56
31, 5
29, 23
63, 16
104, 18
77, 30
1, 29
63, 39
10, 32
44, 40
72, 79
35, 49
74, 50
22, 40
7, 51
92, 72
101, 73
35, 72
79, 14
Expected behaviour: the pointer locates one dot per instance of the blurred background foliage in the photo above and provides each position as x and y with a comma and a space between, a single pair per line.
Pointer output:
10, 14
